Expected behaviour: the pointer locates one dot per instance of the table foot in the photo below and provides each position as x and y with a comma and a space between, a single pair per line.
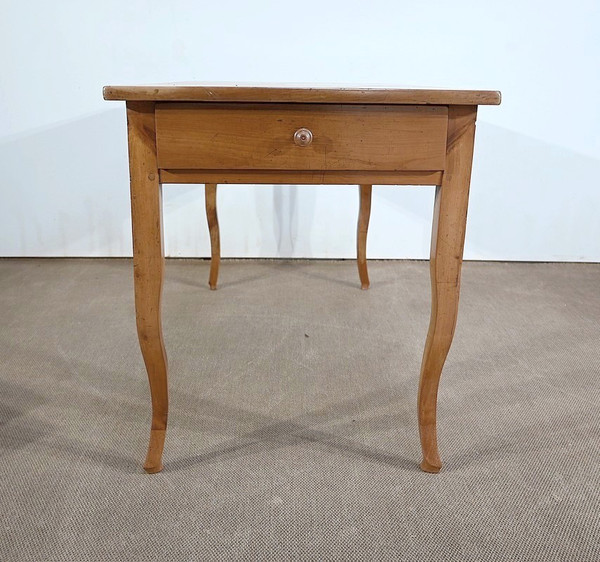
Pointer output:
427, 467
153, 461
431, 458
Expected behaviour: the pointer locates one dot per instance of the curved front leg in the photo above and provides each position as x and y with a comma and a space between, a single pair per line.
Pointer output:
210, 199
364, 215
148, 267
448, 237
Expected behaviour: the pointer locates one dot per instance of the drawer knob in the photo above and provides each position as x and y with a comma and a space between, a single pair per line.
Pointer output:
303, 137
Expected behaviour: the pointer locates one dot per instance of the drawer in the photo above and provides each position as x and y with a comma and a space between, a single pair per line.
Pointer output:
219, 136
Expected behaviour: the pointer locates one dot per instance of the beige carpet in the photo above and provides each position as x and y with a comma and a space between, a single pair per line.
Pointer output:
293, 430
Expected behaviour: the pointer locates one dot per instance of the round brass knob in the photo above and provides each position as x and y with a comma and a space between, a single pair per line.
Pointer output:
303, 137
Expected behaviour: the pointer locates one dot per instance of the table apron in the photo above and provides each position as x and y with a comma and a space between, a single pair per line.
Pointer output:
220, 136
301, 177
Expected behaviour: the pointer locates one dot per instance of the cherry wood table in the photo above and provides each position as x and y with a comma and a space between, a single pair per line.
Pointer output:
211, 134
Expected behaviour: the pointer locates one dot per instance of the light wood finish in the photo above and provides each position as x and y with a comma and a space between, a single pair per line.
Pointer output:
447, 242
261, 136
364, 214
148, 267
215, 134
305, 177
291, 93
210, 196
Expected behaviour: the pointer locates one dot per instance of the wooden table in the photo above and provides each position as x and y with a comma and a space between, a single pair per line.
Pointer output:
211, 134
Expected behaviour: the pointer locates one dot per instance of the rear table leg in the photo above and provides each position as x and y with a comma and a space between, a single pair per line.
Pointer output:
210, 196
361, 235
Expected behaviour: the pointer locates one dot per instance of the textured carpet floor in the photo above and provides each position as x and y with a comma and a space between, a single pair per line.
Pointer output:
293, 431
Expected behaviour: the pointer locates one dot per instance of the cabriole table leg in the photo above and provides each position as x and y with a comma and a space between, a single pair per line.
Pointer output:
210, 199
364, 215
148, 266
448, 236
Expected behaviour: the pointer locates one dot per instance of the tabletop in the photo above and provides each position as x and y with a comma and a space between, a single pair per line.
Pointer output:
301, 93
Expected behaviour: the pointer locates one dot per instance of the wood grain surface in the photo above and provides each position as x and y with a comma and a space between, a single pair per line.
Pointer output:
261, 136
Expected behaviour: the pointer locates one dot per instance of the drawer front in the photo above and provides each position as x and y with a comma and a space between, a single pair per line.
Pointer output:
218, 136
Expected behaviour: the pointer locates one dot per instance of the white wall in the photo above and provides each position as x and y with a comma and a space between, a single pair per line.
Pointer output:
535, 190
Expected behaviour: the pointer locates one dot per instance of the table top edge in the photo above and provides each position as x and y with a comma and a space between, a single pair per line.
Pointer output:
300, 94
